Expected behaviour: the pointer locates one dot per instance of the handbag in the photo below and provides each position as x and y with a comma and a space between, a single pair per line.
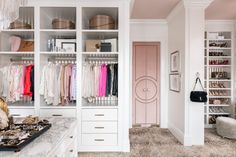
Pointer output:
198, 96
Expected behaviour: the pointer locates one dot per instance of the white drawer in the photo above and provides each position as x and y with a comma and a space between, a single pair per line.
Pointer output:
67, 147
99, 127
71, 150
69, 138
21, 112
99, 114
58, 112
99, 139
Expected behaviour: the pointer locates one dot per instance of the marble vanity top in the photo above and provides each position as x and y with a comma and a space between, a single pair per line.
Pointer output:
42, 145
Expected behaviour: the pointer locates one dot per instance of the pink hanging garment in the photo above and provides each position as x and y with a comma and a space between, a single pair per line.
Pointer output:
15, 43
102, 81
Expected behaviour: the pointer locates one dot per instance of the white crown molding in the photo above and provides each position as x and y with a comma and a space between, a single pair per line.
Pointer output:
220, 21
148, 21
197, 3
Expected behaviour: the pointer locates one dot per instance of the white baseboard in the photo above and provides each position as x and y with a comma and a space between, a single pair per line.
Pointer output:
126, 147
181, 137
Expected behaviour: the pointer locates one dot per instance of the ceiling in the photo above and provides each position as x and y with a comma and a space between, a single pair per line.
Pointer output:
160, 9
221, 10
152, 9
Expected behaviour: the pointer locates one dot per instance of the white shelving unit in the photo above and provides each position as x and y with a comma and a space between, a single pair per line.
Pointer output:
108, 130
219, 74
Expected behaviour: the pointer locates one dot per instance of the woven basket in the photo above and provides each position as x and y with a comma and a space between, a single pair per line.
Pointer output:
102, 22
62, 24
19, 25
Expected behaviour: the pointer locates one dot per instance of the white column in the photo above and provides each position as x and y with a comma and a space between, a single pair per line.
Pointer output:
194, 61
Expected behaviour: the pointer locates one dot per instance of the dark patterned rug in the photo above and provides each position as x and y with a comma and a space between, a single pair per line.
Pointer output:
156, 142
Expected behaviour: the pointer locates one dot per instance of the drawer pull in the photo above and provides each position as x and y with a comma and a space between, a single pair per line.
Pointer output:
99, 140
71, 136
71, 150
57, 115
99, 127
15, 115
99, 115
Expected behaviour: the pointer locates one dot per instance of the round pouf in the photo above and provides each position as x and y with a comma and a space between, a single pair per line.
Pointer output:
226, 127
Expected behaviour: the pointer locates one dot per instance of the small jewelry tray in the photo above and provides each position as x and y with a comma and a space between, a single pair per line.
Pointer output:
19, 135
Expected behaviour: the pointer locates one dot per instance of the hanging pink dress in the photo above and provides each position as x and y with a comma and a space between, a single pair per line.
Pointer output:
102, 81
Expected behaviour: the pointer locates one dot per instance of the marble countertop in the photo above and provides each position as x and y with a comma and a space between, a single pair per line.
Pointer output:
42, 145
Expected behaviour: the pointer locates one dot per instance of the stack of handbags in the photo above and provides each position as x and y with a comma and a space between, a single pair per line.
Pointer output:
102, 22
20, 45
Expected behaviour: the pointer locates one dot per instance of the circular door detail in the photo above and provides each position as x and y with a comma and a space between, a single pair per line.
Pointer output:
146, 89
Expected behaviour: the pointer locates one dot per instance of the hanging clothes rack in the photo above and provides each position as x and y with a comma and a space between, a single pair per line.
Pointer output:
107, 58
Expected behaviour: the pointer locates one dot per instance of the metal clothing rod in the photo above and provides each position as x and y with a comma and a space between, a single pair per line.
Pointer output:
100, 58
61, 58
21, 59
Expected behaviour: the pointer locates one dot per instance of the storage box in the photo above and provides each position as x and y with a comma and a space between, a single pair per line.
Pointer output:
62, 24
19, 25
102, 22
105, 47
26, 46
114, 43
92, 45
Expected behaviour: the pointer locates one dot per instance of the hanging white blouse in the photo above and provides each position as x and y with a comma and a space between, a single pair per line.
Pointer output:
97, 70
73, 84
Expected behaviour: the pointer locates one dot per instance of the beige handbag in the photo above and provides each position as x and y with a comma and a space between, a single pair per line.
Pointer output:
4, 106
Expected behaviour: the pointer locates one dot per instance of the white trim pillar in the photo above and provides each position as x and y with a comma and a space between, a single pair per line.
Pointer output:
194, 63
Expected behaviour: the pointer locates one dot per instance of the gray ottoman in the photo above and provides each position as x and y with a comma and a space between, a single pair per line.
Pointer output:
226, 127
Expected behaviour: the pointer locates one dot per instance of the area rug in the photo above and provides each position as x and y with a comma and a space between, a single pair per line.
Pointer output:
156, 142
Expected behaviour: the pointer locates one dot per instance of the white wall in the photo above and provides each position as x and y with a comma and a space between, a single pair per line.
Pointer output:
176, 36
186, 26
153, 31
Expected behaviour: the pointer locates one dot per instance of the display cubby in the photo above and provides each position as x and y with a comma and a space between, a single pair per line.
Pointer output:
48, 14
218, 75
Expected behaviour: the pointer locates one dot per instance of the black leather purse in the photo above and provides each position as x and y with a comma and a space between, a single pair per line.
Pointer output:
198, 96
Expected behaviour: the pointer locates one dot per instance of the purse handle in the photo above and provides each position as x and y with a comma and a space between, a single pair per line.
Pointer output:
198, 79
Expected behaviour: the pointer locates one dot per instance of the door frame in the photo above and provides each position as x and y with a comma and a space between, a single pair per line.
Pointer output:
159, 73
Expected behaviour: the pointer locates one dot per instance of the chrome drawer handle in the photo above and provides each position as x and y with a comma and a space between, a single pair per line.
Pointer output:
99, 127
57, 115
15, 115
99, 115
99, 140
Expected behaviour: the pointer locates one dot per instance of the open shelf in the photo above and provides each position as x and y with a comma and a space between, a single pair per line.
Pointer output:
48, 14
89, 12
21, 104
5, 36
17, 53
50, 37
219, 113
218, 75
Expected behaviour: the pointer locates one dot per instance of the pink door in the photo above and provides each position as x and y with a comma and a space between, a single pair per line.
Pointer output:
146, 83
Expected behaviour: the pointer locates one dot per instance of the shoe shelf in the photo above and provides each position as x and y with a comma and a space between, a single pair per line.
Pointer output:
219, 113
218, 75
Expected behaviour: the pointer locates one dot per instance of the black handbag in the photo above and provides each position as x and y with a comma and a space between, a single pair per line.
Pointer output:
198, 96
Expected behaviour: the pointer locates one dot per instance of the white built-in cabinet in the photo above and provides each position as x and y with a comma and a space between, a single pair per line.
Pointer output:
219, 71
102, 125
